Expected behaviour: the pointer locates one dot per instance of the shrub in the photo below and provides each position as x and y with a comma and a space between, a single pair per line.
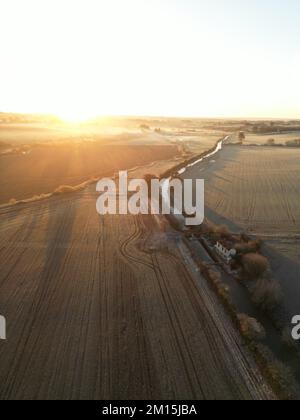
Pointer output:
209, 227
242, 136
248, 247
251, 328
66, 189
144, 127
293, 143
271, 142
214, 276
266, 293
222, 230
280, 376
255, 265
222, 288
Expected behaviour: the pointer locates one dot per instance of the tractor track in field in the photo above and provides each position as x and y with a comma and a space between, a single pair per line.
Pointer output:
93, 315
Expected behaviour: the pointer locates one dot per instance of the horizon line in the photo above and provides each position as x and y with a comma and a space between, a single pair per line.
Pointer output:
155, 116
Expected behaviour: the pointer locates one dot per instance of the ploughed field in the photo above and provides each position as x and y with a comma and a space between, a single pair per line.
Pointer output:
43, 169
96, 308
258, 188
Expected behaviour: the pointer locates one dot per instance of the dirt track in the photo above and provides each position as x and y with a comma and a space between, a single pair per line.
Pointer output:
93, 314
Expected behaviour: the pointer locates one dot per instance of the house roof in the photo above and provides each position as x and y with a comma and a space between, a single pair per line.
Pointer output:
226, 244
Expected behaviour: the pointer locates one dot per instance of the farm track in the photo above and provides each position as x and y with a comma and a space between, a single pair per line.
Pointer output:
124, 249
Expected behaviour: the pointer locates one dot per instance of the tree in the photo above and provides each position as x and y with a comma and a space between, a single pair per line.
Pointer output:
267, 293
249, 247
271, 142
293, 143
255, 265
242, 136
223, 231
251, 328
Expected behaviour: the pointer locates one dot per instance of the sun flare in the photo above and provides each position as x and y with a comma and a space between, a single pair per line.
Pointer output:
137, 57
75, 116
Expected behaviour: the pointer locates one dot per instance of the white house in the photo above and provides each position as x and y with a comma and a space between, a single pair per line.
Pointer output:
225, 251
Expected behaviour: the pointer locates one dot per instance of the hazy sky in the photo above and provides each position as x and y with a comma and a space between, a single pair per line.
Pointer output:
81, 58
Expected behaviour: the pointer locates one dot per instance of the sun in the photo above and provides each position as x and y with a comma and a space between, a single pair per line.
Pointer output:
75, 116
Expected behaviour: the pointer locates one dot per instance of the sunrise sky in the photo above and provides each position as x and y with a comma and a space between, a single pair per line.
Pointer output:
214, 58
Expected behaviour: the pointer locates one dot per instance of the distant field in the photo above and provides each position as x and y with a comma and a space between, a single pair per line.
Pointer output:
43, 169
279, 138
38, 157
31, 133
117, 130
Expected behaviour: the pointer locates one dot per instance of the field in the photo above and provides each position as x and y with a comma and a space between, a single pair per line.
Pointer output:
257, 189
278, 138
108, 307
38, 157
42, 169
18, 130
96, 309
